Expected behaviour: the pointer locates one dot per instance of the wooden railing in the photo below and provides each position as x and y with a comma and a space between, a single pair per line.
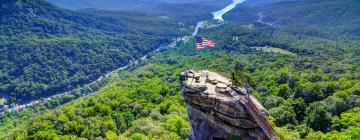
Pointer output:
259, 117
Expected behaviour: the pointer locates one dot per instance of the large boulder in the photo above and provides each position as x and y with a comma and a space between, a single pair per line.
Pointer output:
219, 110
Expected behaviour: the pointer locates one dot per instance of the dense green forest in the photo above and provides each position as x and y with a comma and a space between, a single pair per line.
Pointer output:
185, 11
312, 91
333, 19
311, 95
46, 50
139, 5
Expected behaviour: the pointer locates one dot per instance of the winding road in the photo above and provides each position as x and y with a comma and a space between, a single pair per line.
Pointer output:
217, 16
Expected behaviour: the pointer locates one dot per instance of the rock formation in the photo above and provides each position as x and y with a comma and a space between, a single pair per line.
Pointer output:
219, 110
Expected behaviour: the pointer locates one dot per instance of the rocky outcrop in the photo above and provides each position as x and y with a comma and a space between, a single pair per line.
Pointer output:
219, 110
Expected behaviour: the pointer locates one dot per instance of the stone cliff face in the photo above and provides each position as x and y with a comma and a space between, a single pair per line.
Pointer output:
219, 110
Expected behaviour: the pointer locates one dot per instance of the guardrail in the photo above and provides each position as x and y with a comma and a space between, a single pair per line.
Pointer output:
259, 118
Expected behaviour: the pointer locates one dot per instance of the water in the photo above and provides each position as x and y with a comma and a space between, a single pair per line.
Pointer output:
198, 25
260, 20
218, 15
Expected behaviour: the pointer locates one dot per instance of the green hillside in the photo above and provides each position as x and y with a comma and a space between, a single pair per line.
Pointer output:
46, 50
310, 84
186, 11
138, 5
320, 12
310, 95
321, 18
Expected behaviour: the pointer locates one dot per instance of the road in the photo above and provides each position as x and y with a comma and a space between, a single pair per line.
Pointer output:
20, 107
217, 16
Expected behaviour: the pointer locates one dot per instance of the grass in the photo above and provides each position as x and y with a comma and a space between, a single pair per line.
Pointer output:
274, 50
2, 101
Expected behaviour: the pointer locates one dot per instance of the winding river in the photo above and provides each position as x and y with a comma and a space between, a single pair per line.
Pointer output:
217, 16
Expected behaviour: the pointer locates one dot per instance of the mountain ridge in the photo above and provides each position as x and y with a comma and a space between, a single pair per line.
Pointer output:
122, 4
321, 18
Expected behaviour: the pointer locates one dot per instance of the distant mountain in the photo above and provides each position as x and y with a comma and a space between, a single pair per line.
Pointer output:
47, 50
319, 12
263, 2
187, 11
104, 4
130, 4
311, 16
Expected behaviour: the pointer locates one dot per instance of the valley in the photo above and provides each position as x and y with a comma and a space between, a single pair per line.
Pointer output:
21, 106
76, 45
302, 66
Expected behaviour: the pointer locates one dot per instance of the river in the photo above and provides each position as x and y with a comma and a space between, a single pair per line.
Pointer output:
217, 16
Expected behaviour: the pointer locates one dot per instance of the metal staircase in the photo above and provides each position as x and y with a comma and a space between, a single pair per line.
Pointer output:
260, 119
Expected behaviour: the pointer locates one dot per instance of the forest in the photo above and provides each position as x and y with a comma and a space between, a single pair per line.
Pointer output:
312, 92
331, 19
311, 95
47, 50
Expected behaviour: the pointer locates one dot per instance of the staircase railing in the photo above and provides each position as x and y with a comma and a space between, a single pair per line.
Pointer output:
259, 118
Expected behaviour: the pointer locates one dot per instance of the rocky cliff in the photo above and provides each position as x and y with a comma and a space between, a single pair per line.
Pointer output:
219, 110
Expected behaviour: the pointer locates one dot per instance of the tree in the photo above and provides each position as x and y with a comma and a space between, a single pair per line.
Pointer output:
347, 119
315, 136
299, 108
110, 135
283, 76
287, 133
242, 78
284, 114
284, 91
138, 136
335, 105
179, 126
272, 101
310, 92
317, 116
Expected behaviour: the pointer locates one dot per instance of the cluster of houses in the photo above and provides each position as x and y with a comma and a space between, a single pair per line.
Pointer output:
16, 107
19, 107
